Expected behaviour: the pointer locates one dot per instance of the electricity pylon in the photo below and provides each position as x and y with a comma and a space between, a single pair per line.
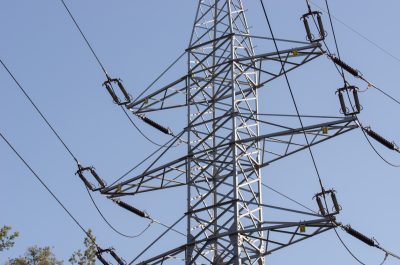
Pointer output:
225, 149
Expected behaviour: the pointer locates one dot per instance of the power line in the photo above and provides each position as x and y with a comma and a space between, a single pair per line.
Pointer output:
289, 198
374, 148
131, 121
169, 228
334, 37
340, 71
386, 94
314, 162
347, 248
123, 234
45, 186
359, 34
292, 95
147, 158
38, 111
385, 258
69, 151
288, 83
143, 134
333, 29
105, 71
110, 225
344, 79
62, 142
380, 90
84, 37
369, 141
67, 148
140, 131
53, 195
301, 123
338, 51
337, 48
161, 75
298, 114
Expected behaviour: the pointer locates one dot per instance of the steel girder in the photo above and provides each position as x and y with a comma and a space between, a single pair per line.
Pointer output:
225, 150
272, 147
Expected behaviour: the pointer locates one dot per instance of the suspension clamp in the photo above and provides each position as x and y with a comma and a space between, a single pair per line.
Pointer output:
110, 251
319, 26
321, 197
81, 173
108, 84
356, 107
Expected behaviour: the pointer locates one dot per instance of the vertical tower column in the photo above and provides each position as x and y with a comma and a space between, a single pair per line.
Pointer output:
224, 180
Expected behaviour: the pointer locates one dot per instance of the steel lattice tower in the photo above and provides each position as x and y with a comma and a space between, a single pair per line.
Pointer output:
225, 181
225, 150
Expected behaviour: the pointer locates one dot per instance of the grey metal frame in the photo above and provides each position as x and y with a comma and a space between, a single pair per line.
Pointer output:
225, 150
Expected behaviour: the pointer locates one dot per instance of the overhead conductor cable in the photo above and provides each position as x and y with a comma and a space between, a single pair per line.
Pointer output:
367, 240
52, 194
300, 120
344, 79
108, 84
81, 169
377, 137
357, 74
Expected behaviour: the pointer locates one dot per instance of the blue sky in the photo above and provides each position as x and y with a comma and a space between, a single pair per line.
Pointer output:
136, 40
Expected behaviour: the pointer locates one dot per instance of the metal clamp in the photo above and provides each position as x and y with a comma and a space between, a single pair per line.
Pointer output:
109, 86
321, 196
80, 172
356, 109
320, 26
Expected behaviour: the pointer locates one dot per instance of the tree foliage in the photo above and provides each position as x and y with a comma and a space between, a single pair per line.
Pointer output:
7, 240
88, 256
36, 256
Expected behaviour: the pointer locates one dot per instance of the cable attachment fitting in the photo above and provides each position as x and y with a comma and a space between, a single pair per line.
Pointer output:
359, 236
131, 208
354, 72
108, 84
319, 26
380, 139
356, 107
155, 124
111, 252
81, 173
320, 197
